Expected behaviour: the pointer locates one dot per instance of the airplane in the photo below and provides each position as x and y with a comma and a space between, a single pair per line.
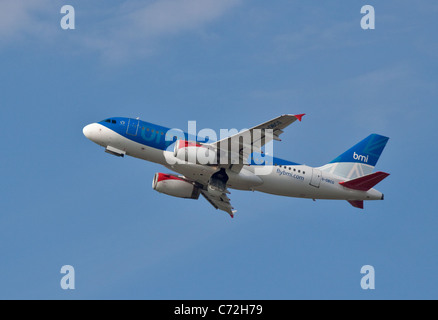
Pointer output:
247, 167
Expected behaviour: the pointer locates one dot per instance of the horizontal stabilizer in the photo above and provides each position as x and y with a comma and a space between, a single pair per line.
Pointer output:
365, 183
356, 203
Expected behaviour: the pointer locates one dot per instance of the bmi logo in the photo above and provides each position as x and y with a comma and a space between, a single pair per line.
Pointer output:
360, 157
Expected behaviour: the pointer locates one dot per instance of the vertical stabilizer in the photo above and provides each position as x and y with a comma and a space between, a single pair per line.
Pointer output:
360, 160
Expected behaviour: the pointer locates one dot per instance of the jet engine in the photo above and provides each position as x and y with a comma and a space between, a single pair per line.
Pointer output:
193, 152
175, 186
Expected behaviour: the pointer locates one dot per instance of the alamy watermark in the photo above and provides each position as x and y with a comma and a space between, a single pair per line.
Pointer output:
368, 281
368, 21
233, 147
68, 281
68, 20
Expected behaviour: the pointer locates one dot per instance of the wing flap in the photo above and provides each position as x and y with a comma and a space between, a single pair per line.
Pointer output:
221, 202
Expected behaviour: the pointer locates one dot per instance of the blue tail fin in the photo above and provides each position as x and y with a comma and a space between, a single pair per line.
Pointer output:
360, 160
367, 151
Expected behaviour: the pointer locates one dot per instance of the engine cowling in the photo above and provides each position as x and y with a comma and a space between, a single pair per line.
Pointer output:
174, 186
194, 152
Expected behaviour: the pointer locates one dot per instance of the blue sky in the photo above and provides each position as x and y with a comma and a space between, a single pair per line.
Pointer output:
225, 64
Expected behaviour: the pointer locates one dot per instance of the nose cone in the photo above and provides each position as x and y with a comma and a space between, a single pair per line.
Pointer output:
88, 131
93, 132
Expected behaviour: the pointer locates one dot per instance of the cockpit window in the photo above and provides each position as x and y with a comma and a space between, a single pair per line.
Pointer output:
108, 120
113, 121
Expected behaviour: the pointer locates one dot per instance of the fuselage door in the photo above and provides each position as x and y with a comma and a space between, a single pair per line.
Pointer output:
316, 178
132, 127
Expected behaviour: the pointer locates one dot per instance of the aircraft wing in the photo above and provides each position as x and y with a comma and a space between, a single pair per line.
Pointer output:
252, 140
221, 202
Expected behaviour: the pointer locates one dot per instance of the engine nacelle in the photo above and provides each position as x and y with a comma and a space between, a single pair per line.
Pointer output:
193, 152
174, 186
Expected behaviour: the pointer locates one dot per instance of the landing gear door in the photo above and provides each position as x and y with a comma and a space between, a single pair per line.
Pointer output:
316, 178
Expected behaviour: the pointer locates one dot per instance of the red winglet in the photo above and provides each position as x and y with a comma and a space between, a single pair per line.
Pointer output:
300, 116
365, 183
